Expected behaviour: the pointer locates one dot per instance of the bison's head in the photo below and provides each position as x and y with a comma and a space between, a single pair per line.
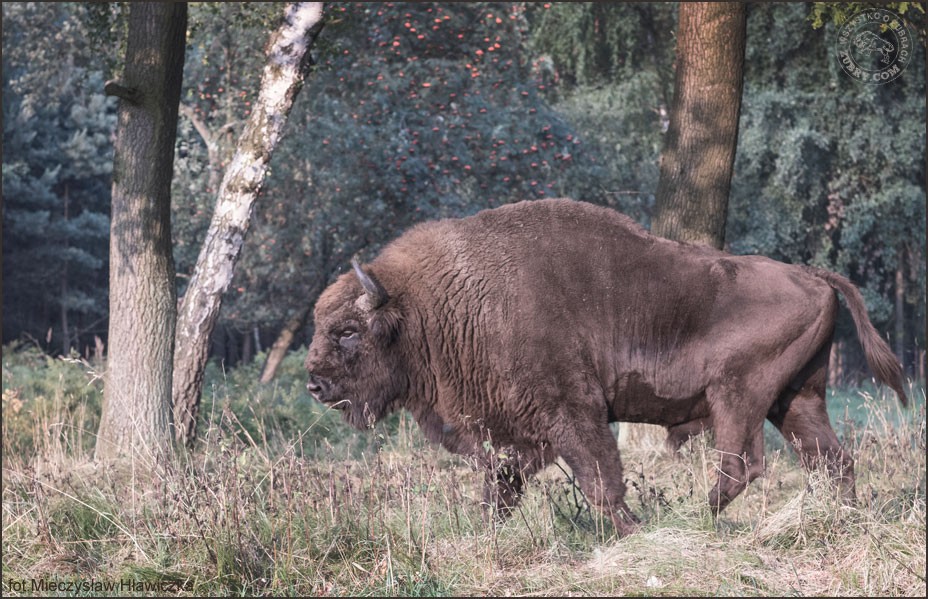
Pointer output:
354, 361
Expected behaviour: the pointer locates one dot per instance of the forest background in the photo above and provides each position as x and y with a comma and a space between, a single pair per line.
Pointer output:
418, 111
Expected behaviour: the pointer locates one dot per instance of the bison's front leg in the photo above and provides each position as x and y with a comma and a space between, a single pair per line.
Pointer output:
587, 445
503, 487
506, 473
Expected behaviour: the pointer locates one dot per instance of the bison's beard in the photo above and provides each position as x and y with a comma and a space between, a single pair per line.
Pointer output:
364, 414
361, 400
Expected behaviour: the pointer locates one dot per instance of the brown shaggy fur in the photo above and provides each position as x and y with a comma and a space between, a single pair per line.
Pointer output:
534, 325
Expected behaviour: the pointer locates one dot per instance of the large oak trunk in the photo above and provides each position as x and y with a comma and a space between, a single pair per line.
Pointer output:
137, 395
699, 150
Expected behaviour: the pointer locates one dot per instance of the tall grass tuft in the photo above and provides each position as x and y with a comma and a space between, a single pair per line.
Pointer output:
281, 498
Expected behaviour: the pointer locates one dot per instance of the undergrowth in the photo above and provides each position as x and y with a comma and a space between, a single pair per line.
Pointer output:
281, 498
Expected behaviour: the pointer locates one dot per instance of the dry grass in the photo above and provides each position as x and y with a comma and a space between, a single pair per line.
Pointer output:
255, 511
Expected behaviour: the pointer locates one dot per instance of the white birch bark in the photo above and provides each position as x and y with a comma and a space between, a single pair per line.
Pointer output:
282, 79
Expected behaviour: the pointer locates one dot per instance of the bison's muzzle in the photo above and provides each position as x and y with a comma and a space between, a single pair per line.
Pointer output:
320, 388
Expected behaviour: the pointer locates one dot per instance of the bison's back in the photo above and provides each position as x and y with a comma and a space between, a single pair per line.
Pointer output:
560, 241
540, 293
579, 273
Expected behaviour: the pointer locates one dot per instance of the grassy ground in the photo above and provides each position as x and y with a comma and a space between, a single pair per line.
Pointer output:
281, 498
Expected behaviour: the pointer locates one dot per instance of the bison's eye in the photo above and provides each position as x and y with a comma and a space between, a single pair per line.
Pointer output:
348, 339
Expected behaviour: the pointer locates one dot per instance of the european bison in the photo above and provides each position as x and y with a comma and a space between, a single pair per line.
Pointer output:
518, 334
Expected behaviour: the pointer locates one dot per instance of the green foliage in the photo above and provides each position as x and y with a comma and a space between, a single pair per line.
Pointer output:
610, 71
602, 43
829, 171
838, 13
57, 160
107, 26
48, 403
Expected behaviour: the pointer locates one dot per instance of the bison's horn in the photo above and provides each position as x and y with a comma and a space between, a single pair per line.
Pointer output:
375, 291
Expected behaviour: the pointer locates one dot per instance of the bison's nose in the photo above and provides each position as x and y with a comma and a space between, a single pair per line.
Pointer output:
316, 386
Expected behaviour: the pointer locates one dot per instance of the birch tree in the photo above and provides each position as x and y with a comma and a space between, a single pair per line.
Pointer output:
288, 61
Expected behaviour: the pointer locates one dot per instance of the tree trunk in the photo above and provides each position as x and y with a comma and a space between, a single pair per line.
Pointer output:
920, 366
212, 140
137, 393
900, 307
63, 298
287, 63
248, 349
699, 150
284, 340
256, 330
836, 373
277, 352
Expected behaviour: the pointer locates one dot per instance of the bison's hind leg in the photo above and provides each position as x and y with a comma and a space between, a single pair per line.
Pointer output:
741, 461
679, 434
801, 417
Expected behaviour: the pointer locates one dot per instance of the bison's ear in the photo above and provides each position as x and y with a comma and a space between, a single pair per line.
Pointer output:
385, 324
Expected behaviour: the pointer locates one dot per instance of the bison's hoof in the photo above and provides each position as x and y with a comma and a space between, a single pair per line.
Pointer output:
626, 523
626, 527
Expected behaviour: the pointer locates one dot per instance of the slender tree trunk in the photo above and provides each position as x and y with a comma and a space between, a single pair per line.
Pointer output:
699, 149
836, 365
920, 366
63, 298
284, 340
65, 326
212, 140
278, 351
900, 307
248, 350
287, 63
137, 393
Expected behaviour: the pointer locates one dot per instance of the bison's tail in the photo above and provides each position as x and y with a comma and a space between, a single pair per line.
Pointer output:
880, 357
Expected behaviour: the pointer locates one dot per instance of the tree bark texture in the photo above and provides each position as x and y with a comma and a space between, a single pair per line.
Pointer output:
899, 336
137, 394
699, 149
288, 60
